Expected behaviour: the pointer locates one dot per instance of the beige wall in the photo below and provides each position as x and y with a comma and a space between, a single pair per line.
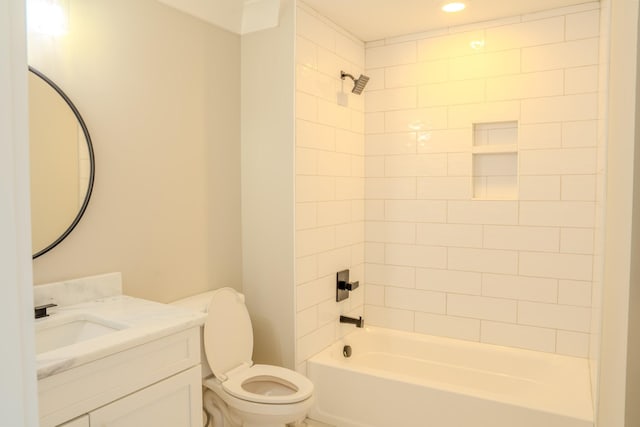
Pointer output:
160, 93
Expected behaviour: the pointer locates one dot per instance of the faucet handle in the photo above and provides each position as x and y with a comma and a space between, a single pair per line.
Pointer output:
41, 310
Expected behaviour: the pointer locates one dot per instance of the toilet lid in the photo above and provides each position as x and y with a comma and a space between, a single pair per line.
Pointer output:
268, 384
228, 335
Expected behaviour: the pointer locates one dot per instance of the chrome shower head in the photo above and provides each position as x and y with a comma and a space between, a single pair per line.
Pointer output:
358, 84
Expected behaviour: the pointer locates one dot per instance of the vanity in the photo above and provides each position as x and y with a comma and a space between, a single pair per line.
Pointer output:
106, 359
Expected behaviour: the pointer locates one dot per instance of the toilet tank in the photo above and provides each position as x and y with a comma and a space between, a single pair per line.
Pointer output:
199, 303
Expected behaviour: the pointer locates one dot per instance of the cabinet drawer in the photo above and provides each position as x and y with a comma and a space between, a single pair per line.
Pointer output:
80, 390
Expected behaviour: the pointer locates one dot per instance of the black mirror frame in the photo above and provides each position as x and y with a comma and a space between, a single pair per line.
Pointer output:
92, 161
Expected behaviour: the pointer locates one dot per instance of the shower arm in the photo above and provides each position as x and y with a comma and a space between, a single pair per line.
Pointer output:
343, 75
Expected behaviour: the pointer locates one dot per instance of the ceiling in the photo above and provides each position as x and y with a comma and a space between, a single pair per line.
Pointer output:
378, 19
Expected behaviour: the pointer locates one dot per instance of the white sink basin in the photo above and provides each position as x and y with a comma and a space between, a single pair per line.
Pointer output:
56, 332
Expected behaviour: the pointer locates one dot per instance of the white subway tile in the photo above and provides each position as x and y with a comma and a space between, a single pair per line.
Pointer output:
313, 293
306, 106
459, 164
348, 48
374, 123
392, 318
523, 34
543, 135
374, 253
306, 216
449, 46
330, 64
522, 238
580, 134
306, 53
333, 164
377, 77
530, 85
520, 288
416, 120
315, 342
314, 29
483, 260
485, 65
415, 300
460, 235
374, 210
483, 212
539, 187
390, 143
395, 54
314, 188
445, 141
583, 25
448, 326
444, 188
374, 294
415, 210
560, 108
391, 99
579, 187
331, 114
374, 166
558, 161
561, 266
581, 80
332, 261
390, 188
416, 74
357, 254
451, 281
416, 165
529, 337
306, 269
357, 210
554, 316
572, 292
333, 212
313, 241
349, 234
451, 93
483, 308
418, 256
328, 312
390, 232
560, 55
306, 321
349, 142
313, 135
315, 83
390, 275
577, 240
306, 161
568, 214
573, 344
560, 11
349, 188
357, 166
464, 116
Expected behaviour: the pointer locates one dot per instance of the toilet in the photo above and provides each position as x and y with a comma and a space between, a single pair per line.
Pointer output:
245, 394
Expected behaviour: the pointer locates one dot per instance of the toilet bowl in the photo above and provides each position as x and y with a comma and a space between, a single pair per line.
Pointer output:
246, 395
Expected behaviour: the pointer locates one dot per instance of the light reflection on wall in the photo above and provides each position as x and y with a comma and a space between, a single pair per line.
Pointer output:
48, 17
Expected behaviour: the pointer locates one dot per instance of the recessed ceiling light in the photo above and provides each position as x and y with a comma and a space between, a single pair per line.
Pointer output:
453, 7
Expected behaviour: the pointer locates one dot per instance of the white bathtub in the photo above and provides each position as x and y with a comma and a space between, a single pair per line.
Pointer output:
400, 379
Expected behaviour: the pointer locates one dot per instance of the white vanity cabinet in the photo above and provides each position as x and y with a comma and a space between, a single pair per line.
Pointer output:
157, 383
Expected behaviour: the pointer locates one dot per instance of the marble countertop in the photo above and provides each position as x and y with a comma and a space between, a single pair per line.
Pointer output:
144, 321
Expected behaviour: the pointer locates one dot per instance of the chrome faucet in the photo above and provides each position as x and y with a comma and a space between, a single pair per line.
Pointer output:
359, 322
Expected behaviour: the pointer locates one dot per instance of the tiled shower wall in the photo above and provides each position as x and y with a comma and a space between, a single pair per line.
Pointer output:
329, 180
512, 267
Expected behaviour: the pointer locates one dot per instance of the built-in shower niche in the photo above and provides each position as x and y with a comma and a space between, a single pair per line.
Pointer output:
495, 160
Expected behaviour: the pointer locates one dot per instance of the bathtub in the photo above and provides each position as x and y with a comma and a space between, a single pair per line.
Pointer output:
401, 379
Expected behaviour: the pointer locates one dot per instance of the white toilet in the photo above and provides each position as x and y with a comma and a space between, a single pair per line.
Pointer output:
246, 395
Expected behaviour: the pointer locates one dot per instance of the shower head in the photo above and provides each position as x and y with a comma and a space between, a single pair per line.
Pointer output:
358, 84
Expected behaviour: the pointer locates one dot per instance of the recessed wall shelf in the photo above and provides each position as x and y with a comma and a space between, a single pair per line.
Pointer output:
495, 161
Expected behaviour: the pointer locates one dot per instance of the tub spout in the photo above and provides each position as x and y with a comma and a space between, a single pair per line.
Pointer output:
359, 322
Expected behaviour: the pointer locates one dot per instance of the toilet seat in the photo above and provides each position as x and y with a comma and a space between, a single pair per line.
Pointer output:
300, 386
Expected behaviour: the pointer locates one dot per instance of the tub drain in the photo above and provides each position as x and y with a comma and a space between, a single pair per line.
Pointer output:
346, 351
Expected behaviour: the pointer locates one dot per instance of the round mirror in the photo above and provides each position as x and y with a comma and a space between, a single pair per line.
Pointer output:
62, 163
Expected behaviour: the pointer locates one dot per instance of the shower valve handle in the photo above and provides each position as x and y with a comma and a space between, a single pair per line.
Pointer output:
348, 286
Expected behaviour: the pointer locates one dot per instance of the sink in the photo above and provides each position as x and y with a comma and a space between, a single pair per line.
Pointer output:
61, 331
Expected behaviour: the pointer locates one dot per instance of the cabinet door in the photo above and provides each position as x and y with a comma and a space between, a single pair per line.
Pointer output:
82, 421
173, 402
